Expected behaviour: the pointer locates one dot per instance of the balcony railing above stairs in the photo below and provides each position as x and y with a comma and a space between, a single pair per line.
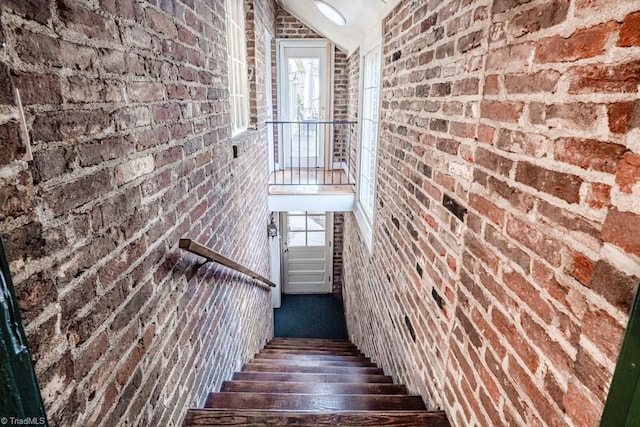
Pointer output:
312, 152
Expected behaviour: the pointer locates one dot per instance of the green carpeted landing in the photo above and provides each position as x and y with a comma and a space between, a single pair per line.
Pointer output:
310, 316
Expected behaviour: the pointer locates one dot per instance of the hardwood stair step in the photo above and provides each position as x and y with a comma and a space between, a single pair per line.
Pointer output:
302, 378
313, 357
302, 362
263, 367
309, 347
312, 388
311, 352
314, 402
311, 382
254, 418
311, 343
311, 340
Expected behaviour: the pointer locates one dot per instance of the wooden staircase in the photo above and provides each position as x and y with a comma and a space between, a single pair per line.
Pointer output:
311, 382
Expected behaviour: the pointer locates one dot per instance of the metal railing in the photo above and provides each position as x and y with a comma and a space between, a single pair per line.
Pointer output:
312, 152
211, 255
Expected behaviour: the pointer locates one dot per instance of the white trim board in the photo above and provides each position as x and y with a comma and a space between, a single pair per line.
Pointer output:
312, 202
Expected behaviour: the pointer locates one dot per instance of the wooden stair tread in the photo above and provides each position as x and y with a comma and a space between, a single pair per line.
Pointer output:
309, 347
311, 352
263, 367
304, 362
313, 357
325, 378
313, 388
311, 340
311, 382
259, 418
273, 344
314, 402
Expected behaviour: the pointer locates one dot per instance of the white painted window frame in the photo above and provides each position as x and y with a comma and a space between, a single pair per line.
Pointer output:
237, 64
369, 136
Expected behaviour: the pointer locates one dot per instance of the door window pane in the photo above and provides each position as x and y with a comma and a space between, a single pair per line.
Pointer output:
316, 222
308, 229
296, 223
304, 84
315, 238
297, 238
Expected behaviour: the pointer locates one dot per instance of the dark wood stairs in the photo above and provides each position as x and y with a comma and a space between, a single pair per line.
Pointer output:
313, 382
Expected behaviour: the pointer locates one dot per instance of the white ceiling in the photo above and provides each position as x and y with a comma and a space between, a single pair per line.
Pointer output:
363, 17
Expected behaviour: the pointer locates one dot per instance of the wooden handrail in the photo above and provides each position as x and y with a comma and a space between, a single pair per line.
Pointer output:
198, 249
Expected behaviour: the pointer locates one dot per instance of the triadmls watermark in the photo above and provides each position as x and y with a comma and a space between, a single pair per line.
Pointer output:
22, 421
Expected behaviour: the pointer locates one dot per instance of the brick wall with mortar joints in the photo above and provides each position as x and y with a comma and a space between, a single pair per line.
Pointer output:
350, 75
352, 89
529, 126
338, 244
340, 103
127, 108
413, 253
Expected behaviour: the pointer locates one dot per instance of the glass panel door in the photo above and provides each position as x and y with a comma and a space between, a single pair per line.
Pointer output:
308, 252
303, 103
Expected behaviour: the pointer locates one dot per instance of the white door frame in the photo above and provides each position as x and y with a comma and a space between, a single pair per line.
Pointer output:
327, 286
275, 251
281, 71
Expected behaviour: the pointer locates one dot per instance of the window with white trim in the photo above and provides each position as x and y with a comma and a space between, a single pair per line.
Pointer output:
369, 140
238, 78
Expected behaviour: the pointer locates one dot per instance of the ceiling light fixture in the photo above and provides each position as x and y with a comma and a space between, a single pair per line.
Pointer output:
331, 13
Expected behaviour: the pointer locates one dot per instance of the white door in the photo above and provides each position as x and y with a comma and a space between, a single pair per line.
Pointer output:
303, 100
308, 258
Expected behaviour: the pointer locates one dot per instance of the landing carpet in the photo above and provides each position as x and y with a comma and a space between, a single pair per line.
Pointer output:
310, 316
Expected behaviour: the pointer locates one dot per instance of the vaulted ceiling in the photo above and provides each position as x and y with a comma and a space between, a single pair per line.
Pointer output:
362, 16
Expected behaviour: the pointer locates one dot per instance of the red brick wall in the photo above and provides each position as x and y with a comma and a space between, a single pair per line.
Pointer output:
353, 91
338, 244
504, 260
127, 108
340, 105
351, 84
340, 83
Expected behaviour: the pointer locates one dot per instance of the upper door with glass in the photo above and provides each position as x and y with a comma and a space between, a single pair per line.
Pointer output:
303, 97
